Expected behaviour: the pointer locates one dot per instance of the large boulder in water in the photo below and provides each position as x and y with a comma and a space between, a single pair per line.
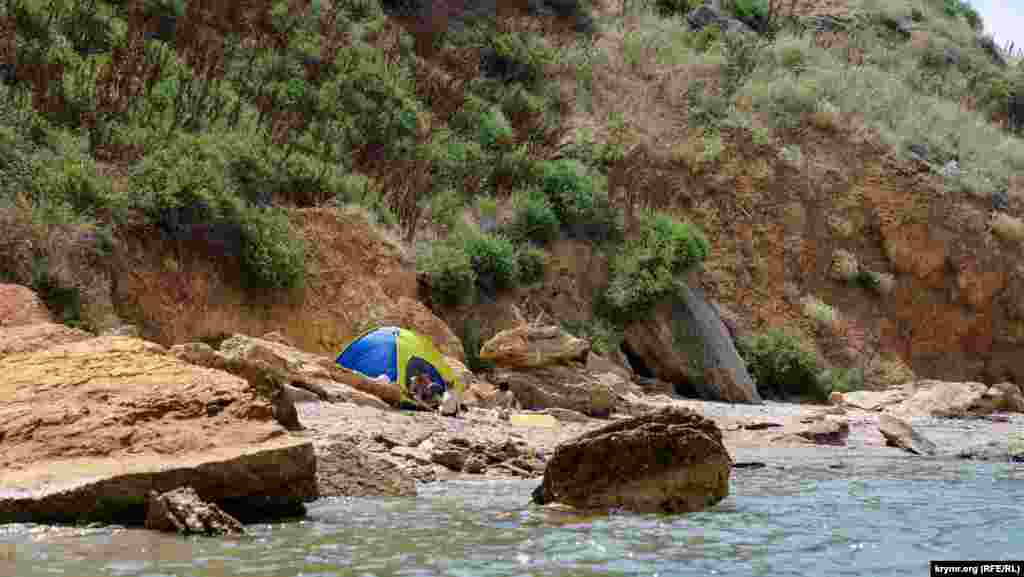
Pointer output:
530, 346
87, 429
685, 342
670, 461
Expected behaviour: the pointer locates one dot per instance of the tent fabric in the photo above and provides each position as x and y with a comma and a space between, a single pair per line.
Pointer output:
400, 354
373, 354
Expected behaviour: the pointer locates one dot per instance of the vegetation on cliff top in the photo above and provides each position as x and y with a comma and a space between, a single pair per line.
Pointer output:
202, 123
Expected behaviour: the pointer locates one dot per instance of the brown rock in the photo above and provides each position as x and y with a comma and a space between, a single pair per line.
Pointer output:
598, 364
271, 364
20, 306
899, 433
182, 511
35, 337
942, 399
475, 465
454, 459
529, 346
672, 461
562, 387
345, 470
826, 431
685, 342
1007, 397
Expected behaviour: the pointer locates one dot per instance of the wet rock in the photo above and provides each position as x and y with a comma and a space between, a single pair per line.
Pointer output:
655, 342
530, 346
760, 425
899, 433
749, 465
344, 469
827, 431
668, 461
182, 511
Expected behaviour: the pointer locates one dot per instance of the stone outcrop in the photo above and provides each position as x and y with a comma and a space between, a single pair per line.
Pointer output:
20, 306
182, 511
36, 337
826, 430
564, 387
685, 342
944, 399
899, 433
345, 470
269, 364
531, 346
88, 428
670, 461
939, 399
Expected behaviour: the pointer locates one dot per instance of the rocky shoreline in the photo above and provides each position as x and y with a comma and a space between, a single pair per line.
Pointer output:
104, 428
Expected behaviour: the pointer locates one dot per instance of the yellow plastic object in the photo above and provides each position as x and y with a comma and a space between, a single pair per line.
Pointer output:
532, 420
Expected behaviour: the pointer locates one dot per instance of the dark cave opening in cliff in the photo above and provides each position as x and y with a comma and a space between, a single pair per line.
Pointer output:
683, 389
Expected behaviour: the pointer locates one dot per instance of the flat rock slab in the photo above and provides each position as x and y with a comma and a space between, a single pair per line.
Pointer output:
108, 490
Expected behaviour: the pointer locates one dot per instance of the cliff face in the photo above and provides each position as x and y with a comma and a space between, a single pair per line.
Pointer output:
358, 279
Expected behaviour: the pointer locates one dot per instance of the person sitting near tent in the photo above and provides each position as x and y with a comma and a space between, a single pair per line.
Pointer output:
505, 401
420, 390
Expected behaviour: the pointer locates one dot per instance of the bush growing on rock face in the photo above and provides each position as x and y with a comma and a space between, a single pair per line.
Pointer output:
494, 260
783, 365
579, 197
450, 272
535, 219
648, 266
531, 264
188, 192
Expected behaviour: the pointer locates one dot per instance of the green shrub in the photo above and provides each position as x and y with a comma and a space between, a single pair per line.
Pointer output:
446, 207
531, 264
752, 12
493, 258
535, 219
450, 273
472, 341
841, 380
676, 7
273, 254
579, 197
647, 268
707, 38
604, 335
188, 192
783, 365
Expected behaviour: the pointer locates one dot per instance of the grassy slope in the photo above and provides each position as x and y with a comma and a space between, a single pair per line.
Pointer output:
783, 151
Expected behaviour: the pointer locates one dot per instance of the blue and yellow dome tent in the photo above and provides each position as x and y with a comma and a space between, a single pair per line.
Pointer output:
401, 355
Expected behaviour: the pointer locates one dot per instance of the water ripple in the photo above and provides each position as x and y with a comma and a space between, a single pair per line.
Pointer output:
879, 516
